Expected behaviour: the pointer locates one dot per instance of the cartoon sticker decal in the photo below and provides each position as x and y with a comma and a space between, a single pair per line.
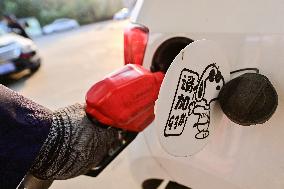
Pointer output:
191, 98
186, 110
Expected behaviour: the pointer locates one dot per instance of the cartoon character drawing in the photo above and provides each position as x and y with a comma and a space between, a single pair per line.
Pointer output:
210, 82
192, 98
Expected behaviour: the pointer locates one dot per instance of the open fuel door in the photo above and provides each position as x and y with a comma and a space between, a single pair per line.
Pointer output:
187, 109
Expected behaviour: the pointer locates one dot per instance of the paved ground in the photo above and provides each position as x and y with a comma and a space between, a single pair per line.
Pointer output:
72, 62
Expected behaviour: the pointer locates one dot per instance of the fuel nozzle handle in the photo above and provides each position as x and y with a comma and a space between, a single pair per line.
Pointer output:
123, 100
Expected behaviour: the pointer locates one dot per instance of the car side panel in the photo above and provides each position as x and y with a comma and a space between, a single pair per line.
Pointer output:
225, 16
237, 157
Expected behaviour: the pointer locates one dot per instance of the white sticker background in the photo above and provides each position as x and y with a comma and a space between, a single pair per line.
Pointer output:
186, 109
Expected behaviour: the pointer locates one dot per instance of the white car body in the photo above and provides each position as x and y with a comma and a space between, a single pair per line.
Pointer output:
60, 25
251, 34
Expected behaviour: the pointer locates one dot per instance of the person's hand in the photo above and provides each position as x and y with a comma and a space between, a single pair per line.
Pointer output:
74, 145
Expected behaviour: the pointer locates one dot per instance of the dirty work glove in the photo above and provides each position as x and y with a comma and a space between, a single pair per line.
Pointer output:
74, 145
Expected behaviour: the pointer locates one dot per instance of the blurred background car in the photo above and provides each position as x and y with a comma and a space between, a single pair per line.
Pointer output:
17, 53
32, 26
122, 14
61, 24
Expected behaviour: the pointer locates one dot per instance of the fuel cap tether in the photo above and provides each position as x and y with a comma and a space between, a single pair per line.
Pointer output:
249, 99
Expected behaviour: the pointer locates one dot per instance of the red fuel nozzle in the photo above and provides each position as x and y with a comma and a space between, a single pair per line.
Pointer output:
125, 99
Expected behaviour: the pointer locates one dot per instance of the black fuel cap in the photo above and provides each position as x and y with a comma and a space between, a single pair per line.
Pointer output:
249, 99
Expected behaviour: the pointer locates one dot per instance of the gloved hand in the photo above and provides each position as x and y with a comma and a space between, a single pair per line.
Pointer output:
74, 145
